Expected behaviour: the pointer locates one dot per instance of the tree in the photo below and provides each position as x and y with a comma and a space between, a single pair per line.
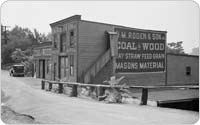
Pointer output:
39, 37
18, 56
195, 51
5, 54
175, 47
21, 38
49, 36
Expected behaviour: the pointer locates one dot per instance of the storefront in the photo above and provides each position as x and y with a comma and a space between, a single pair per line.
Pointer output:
42, 60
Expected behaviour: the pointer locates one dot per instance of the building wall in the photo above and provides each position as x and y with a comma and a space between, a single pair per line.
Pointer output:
91, 44
54, 70
143, 79
105, 73
68, 26
176, 69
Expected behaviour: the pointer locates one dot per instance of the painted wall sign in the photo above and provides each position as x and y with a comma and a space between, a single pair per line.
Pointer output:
140, 51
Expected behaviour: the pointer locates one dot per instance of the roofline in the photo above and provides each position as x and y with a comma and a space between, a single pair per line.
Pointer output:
183, 55
78, 18
75, 17
124, 26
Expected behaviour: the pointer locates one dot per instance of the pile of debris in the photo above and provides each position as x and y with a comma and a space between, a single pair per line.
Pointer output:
112, 95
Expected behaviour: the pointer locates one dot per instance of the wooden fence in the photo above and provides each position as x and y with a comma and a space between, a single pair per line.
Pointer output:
101, 88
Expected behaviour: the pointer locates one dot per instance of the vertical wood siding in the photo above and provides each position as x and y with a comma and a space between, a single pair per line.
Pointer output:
176, 69
92, 43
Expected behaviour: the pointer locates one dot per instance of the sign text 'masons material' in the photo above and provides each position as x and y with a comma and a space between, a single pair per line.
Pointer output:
140, 50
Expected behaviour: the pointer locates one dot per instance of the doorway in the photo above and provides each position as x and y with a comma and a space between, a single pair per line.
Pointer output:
42, 69
63, 62
54, 71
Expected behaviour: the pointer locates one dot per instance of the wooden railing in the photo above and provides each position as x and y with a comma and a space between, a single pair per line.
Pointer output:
101, 88
96, 66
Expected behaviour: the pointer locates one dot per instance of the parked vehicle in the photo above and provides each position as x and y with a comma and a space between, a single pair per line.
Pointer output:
17, 70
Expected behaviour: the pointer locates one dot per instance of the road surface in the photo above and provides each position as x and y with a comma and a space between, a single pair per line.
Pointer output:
25, 96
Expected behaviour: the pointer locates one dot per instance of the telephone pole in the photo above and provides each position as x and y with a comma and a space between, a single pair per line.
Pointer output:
4, 34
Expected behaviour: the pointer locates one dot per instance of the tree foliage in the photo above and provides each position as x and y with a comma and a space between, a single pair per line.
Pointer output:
195, 51
175, 47
19, 56
23, 39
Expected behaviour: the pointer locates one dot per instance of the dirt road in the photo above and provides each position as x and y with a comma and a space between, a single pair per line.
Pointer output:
26, 97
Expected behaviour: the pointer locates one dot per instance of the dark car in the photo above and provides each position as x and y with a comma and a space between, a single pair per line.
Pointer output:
17, 70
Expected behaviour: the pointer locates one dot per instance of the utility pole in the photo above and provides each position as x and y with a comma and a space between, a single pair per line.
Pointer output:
4, 33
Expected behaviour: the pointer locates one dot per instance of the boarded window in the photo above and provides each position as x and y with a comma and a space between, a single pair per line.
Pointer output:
71, 65
63, 42
188, 70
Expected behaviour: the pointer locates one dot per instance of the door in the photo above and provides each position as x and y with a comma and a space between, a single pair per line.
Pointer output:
54, 71
63, 62
42, 69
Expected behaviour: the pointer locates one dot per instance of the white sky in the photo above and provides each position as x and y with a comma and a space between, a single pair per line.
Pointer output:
179, 18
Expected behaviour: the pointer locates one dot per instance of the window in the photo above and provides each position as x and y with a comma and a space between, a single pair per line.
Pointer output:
54, 41
48, 66
71, 65
63, 66
62, 42
188, 70
71, 38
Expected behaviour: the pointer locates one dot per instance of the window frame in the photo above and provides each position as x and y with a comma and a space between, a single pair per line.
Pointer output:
55, 41
71, 38
71, 59
48, 68
188, 70
63, 42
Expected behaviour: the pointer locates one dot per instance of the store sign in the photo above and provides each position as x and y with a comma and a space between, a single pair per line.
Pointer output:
42, 52
140, 51
36, 52
46, 51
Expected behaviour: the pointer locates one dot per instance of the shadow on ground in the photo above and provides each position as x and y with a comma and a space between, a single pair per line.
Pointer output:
9, 116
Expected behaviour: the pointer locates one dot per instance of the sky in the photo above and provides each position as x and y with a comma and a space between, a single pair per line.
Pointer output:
179, 18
